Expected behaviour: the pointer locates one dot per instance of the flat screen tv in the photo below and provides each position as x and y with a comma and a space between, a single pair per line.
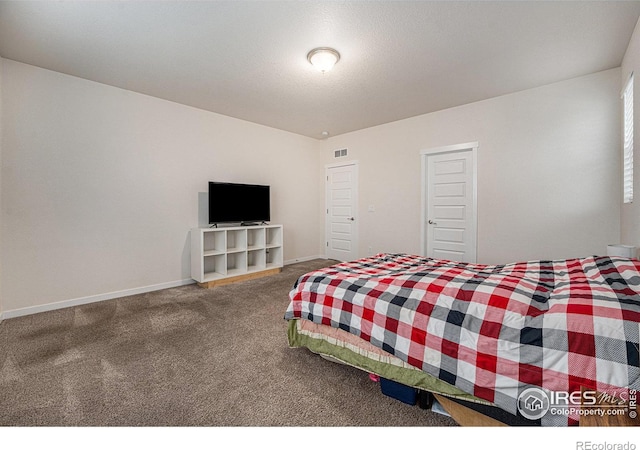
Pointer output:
234, 202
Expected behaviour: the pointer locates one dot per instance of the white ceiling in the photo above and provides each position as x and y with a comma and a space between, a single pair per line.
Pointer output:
247, 59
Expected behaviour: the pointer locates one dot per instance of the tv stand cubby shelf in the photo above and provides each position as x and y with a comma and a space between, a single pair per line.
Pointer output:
231, 254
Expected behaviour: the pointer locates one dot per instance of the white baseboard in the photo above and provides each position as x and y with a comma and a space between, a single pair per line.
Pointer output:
117, 294
303, 259
92, 299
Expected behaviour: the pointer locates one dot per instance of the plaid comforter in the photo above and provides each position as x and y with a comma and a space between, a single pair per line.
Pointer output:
491, 330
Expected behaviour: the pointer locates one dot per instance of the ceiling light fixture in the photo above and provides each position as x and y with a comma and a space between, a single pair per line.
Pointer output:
323, 58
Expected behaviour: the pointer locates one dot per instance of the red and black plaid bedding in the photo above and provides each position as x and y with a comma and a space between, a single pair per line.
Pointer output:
491, 330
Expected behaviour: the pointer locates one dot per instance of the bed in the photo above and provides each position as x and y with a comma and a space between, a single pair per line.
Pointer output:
483, 336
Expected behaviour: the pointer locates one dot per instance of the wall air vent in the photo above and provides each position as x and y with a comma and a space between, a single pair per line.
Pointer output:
340, 153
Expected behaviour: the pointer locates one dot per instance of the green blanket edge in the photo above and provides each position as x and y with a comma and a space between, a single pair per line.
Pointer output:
410, 377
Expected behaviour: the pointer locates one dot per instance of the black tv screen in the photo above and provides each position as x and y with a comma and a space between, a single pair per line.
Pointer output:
234, 202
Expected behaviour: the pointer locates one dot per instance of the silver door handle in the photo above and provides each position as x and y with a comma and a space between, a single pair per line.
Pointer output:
431, 222
351, 218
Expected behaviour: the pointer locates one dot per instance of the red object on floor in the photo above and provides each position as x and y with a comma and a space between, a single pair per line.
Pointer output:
373, 377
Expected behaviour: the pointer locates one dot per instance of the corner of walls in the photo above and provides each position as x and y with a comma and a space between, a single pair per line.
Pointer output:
321, 149
1, 215
630, 213
323, 146
318, 147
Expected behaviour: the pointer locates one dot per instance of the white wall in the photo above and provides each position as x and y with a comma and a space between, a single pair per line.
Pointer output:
100, 186
548, 166
630, 216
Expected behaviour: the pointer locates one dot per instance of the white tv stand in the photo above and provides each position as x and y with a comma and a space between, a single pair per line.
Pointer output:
231, 254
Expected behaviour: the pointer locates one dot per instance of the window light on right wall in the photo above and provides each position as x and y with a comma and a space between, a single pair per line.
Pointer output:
627, 100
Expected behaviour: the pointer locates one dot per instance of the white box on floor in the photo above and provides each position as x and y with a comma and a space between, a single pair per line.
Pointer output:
626, 251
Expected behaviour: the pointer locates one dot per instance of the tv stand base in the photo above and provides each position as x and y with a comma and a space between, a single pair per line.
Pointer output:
239, 278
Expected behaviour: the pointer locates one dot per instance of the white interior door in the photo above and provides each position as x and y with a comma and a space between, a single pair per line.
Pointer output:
449, 210
341, 226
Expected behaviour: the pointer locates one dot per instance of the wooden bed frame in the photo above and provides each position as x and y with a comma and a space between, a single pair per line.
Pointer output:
466, 417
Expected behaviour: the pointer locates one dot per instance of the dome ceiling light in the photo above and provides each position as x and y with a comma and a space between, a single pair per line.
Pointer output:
323, 58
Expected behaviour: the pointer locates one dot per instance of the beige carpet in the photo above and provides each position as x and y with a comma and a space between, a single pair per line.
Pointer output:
185, 356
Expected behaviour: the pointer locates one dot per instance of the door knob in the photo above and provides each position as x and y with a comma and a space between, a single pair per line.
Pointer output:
431, 222
351, 218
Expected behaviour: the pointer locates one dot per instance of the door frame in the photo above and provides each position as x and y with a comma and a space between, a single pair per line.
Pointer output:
327, 167
424, 156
